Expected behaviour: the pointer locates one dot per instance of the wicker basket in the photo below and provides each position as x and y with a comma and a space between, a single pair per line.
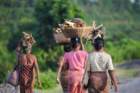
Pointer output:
60, 38
77, 31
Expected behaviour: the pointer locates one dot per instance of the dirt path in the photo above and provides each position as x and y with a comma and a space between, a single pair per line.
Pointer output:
128, 85
132, 86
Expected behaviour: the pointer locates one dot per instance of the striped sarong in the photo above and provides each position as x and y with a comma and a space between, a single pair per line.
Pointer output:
26, 77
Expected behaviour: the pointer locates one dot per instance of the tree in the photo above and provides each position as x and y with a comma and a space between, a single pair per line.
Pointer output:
121, 5
49, 13
136, 6
18, 17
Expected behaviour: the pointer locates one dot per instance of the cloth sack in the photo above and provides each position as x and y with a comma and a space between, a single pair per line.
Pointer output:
13, 78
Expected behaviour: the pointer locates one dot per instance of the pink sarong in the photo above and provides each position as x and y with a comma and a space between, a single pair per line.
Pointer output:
74, 83
76, 63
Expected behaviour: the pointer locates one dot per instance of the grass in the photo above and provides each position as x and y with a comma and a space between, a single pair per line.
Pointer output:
127, 73
53, 90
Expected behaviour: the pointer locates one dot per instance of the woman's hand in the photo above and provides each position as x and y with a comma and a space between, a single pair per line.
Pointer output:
39, 84
116, 88
114, 80
58, 80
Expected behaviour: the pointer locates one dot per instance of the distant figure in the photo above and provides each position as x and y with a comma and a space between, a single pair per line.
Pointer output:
76, 60
62, 76
99, 63
28, 66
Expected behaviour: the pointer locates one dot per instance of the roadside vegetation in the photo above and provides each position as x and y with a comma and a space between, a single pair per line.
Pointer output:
120, 18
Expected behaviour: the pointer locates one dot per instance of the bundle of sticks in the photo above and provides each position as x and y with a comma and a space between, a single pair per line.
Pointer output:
27, 39
71, 28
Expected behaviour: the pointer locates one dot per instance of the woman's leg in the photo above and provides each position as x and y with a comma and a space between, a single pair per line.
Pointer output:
106, 89
22, 89
17, 89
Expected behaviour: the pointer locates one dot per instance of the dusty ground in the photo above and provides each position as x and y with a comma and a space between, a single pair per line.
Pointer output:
131, 86
129, 80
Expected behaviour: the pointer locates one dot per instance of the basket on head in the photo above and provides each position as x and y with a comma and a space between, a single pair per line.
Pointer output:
79, 22
76, 28
60, 38
77, 31
27, 39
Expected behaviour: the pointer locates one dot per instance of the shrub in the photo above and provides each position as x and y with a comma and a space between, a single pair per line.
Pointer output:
48, 80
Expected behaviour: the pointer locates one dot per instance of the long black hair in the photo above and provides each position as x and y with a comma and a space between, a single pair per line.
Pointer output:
67, 47
98, 43
75, 41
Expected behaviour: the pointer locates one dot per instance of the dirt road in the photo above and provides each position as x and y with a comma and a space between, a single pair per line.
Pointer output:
127, 85
130, 86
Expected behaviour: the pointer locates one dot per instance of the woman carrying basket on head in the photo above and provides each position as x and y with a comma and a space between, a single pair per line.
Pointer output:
99, 63
76, 60
27, 65
62, 76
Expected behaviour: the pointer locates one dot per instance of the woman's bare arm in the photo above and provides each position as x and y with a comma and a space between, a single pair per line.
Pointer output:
17, 57
36, 69
113, 79
86, 75
60, 63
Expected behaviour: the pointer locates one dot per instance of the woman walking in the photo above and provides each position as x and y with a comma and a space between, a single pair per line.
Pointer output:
99, 63
76, 60
62, 76
28, 66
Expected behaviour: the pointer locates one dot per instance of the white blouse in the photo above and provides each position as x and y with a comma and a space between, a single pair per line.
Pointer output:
100, 61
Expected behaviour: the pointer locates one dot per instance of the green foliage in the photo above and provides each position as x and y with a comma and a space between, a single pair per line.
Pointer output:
121, 5
136, 6
120, 17
48, 60
120, 48
48, 80
49, 13
124, 49
7, 59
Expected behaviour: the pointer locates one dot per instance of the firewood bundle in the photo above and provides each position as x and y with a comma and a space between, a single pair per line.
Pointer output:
77, 27
27, 39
